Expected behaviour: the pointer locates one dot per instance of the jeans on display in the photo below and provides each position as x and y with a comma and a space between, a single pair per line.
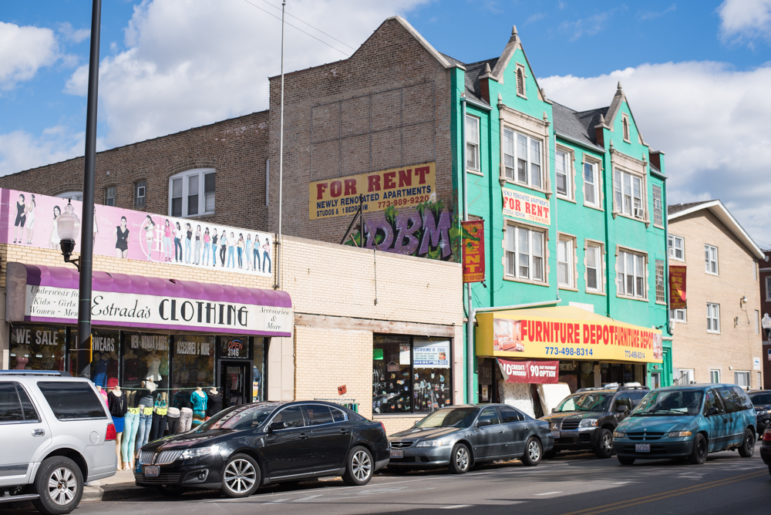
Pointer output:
172, 421
266, 261
158, 428
177, 250
206, 252
185, 420
131, 424
256, 258
143, 432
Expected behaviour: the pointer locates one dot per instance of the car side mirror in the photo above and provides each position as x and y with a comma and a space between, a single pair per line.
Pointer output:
481, 423
276, 426
622, 408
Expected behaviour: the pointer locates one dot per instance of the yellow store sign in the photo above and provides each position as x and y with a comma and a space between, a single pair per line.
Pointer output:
564, 332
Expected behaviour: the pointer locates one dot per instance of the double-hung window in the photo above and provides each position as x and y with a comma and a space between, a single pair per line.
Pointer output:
522, 158
593, 267
630, 275
661, 292
713, 318
564, 170
110, 192
710, 259
591, 184
565, 262
678, 315
472, 143
676, 246
658, 206
140, 194
524, 253
628, 189
191, 193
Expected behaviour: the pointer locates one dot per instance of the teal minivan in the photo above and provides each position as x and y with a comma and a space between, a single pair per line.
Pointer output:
687, 422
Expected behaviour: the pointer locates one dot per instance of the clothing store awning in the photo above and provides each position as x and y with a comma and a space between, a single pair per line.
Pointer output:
564, 333
38, 293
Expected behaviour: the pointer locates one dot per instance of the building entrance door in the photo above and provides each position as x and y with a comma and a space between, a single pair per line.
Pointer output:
235, 381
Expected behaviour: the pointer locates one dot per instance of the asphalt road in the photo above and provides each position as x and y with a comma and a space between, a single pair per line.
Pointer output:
570, 484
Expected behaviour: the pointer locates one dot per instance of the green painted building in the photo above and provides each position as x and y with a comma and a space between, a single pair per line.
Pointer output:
572, 204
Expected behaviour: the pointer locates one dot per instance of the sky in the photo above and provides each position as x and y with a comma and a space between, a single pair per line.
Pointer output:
697, 73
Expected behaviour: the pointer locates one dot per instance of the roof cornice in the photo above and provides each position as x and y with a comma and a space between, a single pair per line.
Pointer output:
429, 48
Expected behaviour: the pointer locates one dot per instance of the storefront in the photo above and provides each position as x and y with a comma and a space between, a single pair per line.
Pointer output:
181, 335
563, 344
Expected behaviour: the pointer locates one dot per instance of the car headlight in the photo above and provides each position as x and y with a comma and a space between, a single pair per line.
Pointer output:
619, 434
197, 452
554, 426
440, 442
679, 434
588, 422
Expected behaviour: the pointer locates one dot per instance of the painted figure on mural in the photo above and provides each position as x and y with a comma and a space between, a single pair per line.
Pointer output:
214, 240
231, 250
168, 237
21, 219
256, 254
121, 241
223, 246
240, 250
149, 228
178, 235
206, 247
188, 243
197, 255
266, 261
54, 238
30, 226
248, 252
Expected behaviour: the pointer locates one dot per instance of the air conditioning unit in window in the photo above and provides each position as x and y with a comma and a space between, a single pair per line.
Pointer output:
638, 212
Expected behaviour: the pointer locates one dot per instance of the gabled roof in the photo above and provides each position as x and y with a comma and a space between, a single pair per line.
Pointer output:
615, 106
721, 213
576, 126
441, 58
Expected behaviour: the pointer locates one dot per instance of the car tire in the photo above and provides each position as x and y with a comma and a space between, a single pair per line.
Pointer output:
626, 460
241, 476
68, 480
359, 466
699, 453
460, 459
747, 448
604, 446
533, 452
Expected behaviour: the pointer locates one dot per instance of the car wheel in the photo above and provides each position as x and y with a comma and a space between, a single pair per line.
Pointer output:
460, 459
626, 460
699, 454
747, 449
604, 446
59, 483
241, 476
359, 467
533, 452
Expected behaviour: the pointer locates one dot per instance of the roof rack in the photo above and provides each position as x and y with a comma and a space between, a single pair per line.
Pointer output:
614, 386
33, 373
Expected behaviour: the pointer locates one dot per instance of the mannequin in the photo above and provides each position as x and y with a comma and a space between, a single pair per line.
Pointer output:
199, 401
118, 406
214, 401
145, 402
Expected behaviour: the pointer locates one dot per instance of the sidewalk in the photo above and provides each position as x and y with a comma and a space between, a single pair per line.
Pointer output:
122, 481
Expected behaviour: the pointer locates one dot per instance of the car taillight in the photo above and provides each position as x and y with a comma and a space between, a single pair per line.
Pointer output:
383, 428
110, 435
767, 435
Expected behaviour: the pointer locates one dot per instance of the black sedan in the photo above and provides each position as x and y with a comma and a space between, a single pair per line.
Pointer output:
765, 448
462, 436
762, 402
245, 446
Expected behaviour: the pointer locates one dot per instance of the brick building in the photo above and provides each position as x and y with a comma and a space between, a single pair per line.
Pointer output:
765, 308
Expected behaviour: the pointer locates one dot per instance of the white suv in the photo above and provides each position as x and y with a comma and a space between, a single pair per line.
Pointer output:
56, 434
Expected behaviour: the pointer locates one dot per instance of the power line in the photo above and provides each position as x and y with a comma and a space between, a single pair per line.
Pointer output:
330, 36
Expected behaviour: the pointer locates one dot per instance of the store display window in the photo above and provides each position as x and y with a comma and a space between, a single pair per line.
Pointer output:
193, 363
104, 363
410, 374
37, 347
145, 356
258, 368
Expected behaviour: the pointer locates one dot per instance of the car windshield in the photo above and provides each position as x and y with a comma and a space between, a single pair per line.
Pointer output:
449, 417
238, 417
584, 401
670, 402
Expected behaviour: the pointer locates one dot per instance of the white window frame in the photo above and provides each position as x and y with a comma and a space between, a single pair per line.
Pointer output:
592, 247
142, 183
714, 375
625, 130
713, 318
679, 316
742, 373
513, 255
626, 201
110, 195
520, 79
566, 260
185, 177
684, 376
512, 158
710, 259
658, 205
563, 165
672, 241
660, 265
594, 167
472, 144
638, 274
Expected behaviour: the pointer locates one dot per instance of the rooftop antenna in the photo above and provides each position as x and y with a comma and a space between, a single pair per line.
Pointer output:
277, 268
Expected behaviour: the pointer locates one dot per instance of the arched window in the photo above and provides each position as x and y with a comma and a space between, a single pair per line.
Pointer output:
191, 193
520, 81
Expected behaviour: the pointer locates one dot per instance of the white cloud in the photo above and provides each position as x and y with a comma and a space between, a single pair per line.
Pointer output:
20, 150
745, 20
71, 34
709, 119
23, 51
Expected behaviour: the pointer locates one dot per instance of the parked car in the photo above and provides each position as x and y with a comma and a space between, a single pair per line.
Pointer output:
56, 434
243, 447
762, 402
586, 419
462, 436
689, 422
765, 448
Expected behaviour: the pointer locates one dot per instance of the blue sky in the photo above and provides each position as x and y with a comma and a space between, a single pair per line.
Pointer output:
695, 72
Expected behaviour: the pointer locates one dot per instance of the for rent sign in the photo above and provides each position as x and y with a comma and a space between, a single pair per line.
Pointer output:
525, 207
406, 186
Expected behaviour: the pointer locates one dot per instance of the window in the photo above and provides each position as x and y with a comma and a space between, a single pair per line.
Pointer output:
734, 399
510, 415
713, 318
714, 375
191, 193
593, 267
658, 207
565, 267
630, 275
140, 194
488, 417
710, 259
524, 252
522, 158
676, 246
625, 124
290, 417
10, 407
678, 315
520, 80
768, 288
591, 184
472, 143
317, 414
628, 190
683, 376
661, 293
410, 374
564, 169
70, 400
757, 322
109, 195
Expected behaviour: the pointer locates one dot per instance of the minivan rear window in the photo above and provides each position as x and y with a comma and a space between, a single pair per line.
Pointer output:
72, 400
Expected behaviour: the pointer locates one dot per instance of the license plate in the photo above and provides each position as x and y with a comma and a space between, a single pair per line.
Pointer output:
642, 447
151, 470
397, 453
555, 434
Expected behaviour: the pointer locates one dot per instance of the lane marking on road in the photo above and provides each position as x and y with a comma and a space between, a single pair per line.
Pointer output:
306, 498
553, 492
628, 503
455, 507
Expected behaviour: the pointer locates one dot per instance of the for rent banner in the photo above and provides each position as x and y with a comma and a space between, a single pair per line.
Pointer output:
677, 287
406, 186
525, 207
473, 251
532, 372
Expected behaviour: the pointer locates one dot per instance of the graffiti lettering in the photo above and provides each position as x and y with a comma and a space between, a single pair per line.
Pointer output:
411, 233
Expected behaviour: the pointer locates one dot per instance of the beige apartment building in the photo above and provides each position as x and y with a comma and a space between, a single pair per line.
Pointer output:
717, 336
